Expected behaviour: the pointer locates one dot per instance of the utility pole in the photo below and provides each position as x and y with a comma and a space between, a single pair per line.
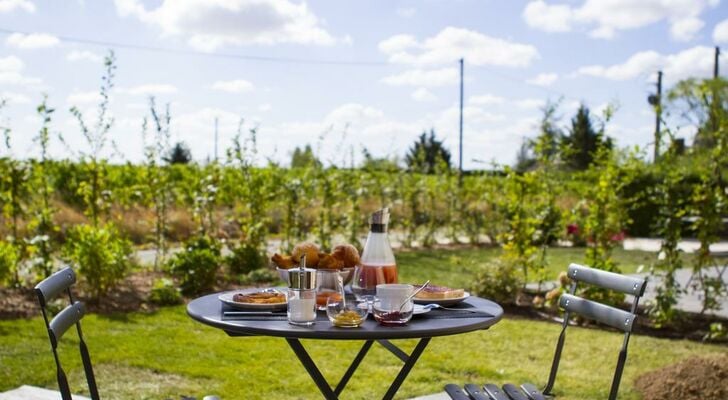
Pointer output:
215, 139
715, 65
460, 164
656, 101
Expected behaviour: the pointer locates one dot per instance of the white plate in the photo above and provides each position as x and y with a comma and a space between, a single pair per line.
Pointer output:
227, 298
420, 309
443, 302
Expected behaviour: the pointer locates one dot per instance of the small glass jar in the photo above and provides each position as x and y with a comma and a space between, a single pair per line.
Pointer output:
301, 296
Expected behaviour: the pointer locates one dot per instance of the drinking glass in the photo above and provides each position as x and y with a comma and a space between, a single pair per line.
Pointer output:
365, 281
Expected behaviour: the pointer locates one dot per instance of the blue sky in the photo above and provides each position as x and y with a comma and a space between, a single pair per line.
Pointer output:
394, 72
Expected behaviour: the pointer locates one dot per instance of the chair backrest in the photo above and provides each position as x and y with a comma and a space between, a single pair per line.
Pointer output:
608, 315
46, 291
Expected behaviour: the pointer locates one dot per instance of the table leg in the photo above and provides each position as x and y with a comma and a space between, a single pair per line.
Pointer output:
406, 368
311, 368
323, 385
354, 365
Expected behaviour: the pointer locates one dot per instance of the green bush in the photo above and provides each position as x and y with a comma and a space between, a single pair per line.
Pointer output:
8, 260
260, 275
498, 281
245, 259
165, 293
196, 266
103, 257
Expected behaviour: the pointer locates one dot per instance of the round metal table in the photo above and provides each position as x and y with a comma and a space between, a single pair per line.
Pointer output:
209, 310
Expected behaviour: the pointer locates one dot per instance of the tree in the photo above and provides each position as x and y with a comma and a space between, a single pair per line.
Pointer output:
544, 149
179, 154
372, 163
583, 140
303, 158
524, 158
703, 103
427, 154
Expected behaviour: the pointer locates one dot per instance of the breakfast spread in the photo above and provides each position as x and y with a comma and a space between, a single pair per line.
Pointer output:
433, 292
342, 256
260, 298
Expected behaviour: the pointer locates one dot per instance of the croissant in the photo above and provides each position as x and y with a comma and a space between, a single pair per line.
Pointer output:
330, 261
310, 250
285, 262
348, 254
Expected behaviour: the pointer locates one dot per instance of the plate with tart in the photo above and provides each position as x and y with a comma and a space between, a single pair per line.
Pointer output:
441, 295
260, 300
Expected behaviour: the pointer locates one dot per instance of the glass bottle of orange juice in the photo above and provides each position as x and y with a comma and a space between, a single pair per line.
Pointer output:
377, 260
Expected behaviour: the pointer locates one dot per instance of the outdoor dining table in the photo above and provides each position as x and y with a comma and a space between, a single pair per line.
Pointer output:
209, 310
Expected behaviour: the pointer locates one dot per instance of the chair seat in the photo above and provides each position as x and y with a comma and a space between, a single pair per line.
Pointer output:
490, 391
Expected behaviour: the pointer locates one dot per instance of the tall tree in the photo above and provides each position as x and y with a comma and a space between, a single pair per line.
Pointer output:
179, 154
302, 158
427, 154
582, 142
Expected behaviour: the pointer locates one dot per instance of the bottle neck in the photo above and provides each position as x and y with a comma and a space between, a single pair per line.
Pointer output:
378, 228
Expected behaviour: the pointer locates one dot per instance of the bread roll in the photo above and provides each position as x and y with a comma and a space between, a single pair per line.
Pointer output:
348, 254
310, 250
284, 262
329, 261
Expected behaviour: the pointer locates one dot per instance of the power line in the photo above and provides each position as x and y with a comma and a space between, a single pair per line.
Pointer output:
248, 57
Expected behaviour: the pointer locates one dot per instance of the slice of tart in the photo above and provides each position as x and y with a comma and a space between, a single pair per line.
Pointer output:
433, 292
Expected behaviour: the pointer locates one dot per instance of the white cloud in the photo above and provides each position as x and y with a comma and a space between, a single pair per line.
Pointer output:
149, 89
543, 79
14, 98
31, 40
83, 55
424, 78
603, 18
696, 61
233, 86
486, 100
406, 12
423, 95
549, 18
685, 29
450, 44
11, 68
265, 107
530, 103
78, 98
720, 32
209, 25
7, 6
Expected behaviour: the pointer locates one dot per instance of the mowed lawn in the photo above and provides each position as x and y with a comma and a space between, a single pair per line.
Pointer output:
166, 354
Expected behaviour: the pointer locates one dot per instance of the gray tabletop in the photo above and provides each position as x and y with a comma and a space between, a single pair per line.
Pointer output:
208, 310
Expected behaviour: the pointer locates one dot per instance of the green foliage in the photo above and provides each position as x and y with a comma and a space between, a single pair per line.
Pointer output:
8, 260
304, 158
245, 258
579, 147
165, 293
103, 257
427, 154
197, 265
499, 281
260, 276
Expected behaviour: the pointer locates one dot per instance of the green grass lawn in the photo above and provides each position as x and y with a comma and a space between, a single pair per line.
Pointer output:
153, 355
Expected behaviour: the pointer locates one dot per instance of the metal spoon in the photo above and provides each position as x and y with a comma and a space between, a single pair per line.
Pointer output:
413, 295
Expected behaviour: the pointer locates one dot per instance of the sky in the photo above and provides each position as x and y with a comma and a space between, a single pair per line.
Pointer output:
344, 75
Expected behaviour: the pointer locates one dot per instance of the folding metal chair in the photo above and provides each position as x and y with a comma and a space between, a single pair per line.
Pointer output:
614, 317
51, 287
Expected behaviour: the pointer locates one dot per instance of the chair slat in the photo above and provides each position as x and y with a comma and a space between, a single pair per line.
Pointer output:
607, 315
65, 319
455, 392
51, 286
608, 280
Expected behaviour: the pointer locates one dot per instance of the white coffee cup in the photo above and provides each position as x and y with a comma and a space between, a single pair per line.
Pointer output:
392, 295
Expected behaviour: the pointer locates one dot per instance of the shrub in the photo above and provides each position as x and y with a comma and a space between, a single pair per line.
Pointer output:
245, 259
196, 266
165, 293
498, 281
8, 260
102, 255
260, 275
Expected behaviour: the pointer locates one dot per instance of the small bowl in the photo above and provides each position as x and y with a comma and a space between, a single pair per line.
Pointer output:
324, 277
349, 315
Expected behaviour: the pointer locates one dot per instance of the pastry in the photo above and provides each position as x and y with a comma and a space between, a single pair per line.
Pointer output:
330, 261
310, 250
433, 292
348, 254
284, 262
260, 298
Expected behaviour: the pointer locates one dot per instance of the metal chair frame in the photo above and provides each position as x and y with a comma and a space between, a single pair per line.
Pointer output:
48, 289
